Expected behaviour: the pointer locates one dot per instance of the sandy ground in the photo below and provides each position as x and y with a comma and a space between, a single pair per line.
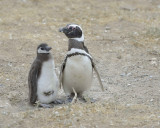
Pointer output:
123, 36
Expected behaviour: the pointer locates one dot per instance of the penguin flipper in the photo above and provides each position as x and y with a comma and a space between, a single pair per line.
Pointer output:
32, 82
98, 76
85, 48
61, 75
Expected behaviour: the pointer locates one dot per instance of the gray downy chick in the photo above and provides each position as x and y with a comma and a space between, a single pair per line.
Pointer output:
42, 79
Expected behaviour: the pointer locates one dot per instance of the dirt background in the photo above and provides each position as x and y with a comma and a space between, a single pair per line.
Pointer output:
123, 36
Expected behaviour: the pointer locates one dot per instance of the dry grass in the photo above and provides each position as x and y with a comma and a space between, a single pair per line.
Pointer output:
124, 56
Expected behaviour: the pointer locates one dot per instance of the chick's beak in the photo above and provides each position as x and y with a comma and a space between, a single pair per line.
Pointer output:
48, 48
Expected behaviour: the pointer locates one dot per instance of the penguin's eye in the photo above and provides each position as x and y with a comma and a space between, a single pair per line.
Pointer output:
70, 28
42, 48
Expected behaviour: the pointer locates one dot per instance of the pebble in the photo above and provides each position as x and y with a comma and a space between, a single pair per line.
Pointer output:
136, 33
24, 1
158, 6
108, 28
129, 84
154, 62
123, 74
10, 36
4, 113
128, 105
128, 8
1, 85
128, 74
64, 39
125, 41
10, 64
44, 21
102, 80
151, 100
119, 56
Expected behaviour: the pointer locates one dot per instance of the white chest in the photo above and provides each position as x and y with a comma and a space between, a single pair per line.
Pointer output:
47, 81
78, 73
47, 73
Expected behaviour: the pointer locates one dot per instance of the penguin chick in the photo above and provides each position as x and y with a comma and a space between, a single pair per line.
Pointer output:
77, 68
42, 79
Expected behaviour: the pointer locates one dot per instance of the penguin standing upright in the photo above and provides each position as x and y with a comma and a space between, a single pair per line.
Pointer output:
42, 79
77, 68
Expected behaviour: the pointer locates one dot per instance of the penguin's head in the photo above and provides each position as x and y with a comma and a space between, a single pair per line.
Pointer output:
73, 31
43, 49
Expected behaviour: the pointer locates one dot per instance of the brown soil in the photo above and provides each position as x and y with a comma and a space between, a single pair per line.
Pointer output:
123, 37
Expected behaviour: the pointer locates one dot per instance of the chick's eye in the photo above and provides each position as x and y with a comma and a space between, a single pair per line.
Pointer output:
42, 48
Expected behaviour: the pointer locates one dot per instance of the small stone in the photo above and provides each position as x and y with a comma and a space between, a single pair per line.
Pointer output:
4, 113
64, 39
44, 21
154, 59
128, 8
102, 80
151, 100
123, 74
119, 56
98, 37
114, 42
10, 36
108, 28
111, 123
128, 105
24, 1
129, 74
136, 33
1, 85
154, 62
125, 41
129, 84
10, 64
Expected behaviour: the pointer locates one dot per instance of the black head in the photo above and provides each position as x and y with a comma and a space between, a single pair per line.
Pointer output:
73, 31
43, 49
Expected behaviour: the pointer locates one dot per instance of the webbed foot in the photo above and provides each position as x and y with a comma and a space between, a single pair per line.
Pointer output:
46, 105
58, 101
87, 99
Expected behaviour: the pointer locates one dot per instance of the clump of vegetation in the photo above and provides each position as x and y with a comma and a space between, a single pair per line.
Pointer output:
153, 32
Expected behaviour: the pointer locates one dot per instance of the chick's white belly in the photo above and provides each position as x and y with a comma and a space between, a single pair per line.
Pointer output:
47, 82
77, 74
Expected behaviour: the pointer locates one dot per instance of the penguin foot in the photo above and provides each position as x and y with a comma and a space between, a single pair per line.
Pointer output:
87, 99
58, 101
69, 99
46, 105
83, 99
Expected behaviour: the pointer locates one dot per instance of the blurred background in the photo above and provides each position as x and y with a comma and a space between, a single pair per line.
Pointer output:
123, 36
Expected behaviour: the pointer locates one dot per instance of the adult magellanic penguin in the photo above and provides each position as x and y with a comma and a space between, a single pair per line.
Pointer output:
42, 79
77, 68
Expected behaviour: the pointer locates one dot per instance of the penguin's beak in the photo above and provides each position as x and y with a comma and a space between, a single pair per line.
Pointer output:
63, 29
48, 48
